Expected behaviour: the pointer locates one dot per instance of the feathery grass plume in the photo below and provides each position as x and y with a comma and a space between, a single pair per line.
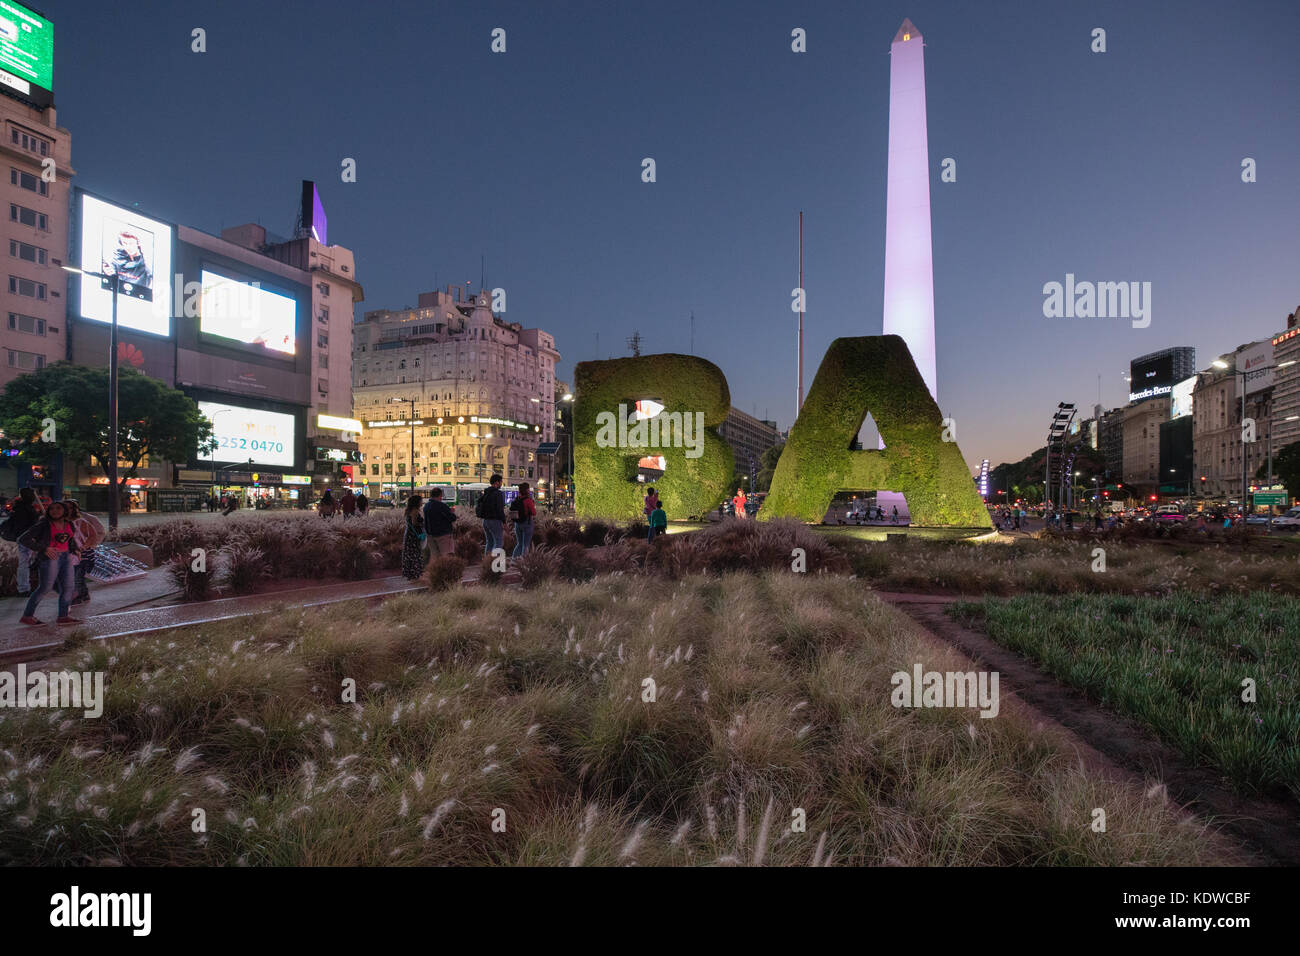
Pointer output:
821, 847
432, 821
634, 842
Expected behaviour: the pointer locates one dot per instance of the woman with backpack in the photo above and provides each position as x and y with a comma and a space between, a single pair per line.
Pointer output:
523, 510
413, 540
53, 539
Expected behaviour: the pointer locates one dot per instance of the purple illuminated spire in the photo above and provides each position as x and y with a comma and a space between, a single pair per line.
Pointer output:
909, 270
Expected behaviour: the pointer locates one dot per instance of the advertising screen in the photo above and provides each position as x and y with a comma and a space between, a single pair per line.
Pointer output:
138, 251
244, 433
1257, 362
1181, 398
26, 53
244, 311
1151, 378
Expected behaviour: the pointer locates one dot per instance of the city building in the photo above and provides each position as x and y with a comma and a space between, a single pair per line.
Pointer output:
1142, 421
449, 393
1218, 447
1286, 385
1154, 375
333, 453
909, 265
1110, 441
1177, 457
748, 437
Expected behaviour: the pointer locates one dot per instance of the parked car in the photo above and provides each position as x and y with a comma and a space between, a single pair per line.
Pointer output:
382, 503
1169, 513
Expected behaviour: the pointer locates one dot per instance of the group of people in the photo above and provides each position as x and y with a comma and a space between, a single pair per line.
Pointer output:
428, 530
57, 540
347, 504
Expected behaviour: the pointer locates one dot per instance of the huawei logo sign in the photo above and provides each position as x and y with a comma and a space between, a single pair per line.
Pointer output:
126, 352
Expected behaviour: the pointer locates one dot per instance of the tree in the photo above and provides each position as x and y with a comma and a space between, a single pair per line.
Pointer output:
155, 421
1286, 468
767, 466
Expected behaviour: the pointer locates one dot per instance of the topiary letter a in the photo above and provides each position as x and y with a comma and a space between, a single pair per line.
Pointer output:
697, 463
873, 374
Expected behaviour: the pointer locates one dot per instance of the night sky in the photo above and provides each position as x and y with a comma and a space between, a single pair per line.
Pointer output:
1115, 167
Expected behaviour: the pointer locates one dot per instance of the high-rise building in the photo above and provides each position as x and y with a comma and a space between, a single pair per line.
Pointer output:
909, 269
1155, 374
1110, 441
748, 437
1286, 385
1142, 423
1218, 446
37, 155
483, 391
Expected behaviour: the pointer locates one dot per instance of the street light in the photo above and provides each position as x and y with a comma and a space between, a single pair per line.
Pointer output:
111, 469
411, 402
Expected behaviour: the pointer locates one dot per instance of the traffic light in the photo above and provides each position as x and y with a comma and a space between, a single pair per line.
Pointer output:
1153, 497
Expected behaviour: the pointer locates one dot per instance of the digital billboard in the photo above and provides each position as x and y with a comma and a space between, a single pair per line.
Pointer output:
230, 308
1151, 378
243, 433
138, 251
1181, 398
313, 213
26, 54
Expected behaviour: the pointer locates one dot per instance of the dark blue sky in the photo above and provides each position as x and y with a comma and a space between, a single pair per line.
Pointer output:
1115, 166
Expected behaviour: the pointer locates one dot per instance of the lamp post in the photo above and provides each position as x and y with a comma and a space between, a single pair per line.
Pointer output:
411, 402
1245, 375
111, 465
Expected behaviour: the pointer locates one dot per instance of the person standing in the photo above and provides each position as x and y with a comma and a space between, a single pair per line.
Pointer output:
492, 510
54, 539
658, 521
325, 508
894, 517
523, 509
413, 540
738, 503
363, 503
438, 521
25, 511
348, 504
89, 532
651, 501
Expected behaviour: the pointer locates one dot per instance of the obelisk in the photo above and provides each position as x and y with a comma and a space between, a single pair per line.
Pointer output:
909, 268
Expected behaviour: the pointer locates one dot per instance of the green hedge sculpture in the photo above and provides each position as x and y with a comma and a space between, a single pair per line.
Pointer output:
873, 374
605, 482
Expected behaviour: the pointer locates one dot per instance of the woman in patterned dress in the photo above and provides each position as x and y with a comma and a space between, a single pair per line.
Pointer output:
413, 540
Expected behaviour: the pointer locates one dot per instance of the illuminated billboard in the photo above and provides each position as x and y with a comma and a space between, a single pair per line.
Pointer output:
136, 250
26, 53
243, 433
245, 312
1257, 362
1151, 378
1181, 398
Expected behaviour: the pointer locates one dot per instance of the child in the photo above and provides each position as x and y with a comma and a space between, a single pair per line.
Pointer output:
658, 521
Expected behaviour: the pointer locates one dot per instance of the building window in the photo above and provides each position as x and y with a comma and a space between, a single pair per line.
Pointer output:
28, 253
33, 144
33, 184
322, 360
322, 340
26, 323
323, 288
323, 316
25, 360
27, 287
323, 385
28, 217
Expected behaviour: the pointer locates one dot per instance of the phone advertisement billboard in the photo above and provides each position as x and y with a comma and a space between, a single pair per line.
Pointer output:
134, 250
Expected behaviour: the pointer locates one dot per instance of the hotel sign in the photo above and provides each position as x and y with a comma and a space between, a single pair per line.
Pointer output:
398, 423
505, 423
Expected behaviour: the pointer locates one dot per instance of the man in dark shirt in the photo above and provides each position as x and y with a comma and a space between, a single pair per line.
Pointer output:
492, 509
438, 519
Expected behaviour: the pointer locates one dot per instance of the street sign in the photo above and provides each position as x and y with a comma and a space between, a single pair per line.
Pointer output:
1268, 498
548, 448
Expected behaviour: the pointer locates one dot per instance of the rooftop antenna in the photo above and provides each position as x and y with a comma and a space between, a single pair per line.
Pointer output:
634, 343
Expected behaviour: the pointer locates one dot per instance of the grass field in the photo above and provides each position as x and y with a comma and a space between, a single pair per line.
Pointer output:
1177, 665
510, 727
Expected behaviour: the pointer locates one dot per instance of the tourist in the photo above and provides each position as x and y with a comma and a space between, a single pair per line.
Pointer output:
53, 539
1018, 512
326, 506
90, 532
523, 510
492, 510
363, 503
894, 517
738, 503
651, 501
413, 540
658, 521
1096, 520
438, 521
348, 504
24, 512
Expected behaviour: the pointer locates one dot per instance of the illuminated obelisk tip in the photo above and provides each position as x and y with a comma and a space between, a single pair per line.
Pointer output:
909, 270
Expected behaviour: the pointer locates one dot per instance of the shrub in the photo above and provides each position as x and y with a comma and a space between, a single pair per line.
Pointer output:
245, 568
195, 585
575, 563
355, 558
445, 571
594, 532
538, 565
